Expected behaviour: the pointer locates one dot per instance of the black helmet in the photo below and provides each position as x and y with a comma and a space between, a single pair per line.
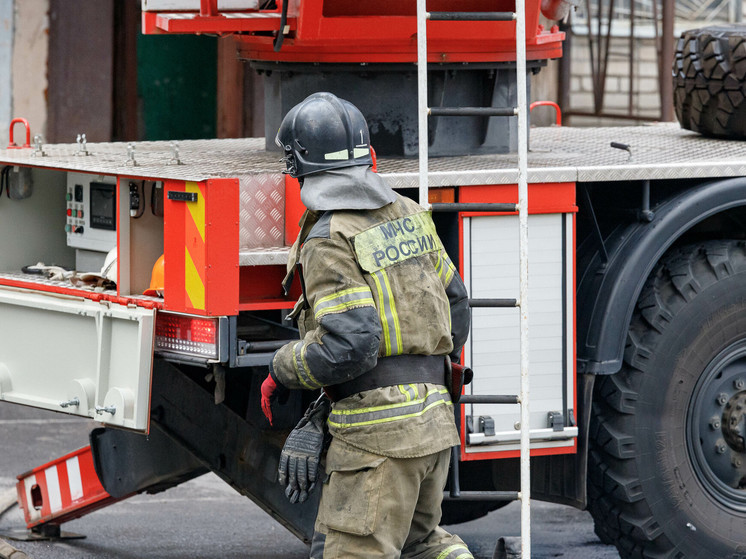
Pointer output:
323, 132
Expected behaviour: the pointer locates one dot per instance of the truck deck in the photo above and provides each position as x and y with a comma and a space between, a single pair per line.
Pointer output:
556, 154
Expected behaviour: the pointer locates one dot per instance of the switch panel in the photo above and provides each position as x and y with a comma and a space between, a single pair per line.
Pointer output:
91, 212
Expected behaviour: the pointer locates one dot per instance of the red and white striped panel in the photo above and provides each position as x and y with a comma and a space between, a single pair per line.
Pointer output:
60, 489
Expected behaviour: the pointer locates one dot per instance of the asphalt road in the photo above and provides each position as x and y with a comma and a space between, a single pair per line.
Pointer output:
206, 518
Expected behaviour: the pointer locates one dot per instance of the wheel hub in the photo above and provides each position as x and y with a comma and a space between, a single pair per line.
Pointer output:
716, 427
733, 422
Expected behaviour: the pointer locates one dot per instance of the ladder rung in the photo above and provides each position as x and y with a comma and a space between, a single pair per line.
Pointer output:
481, 496
485, 399
492, 303
471, 16
472, 111
473, 207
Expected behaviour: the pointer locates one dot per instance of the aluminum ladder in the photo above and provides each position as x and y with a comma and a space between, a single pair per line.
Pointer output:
521, 111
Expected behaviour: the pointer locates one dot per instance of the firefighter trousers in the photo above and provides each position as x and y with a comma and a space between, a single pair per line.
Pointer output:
377, 506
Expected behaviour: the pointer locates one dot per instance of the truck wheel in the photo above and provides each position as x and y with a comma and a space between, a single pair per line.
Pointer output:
667, 465
709, 79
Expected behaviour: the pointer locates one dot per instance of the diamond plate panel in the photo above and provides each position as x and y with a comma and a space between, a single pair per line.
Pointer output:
264, 256
262, 211
556, 154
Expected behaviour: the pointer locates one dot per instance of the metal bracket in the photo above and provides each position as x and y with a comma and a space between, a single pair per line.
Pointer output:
75, 402
100, 410
175, 154
556, 420
131, 155
38, 151
82, 147
486, 425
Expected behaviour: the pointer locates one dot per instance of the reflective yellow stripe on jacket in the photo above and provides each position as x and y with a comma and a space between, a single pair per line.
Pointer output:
342, 301
392, 412
301, 367
445, 266
456, 551
387, 311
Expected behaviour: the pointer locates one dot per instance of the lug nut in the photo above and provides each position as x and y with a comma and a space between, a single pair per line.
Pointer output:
739, 384
721, 448
722, 399
715, 423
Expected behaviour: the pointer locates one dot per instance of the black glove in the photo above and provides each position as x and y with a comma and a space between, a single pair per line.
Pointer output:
299, 460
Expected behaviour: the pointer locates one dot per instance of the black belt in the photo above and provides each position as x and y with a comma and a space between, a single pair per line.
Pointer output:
390, 371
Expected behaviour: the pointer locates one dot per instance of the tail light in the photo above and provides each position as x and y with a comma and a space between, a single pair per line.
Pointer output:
189, 335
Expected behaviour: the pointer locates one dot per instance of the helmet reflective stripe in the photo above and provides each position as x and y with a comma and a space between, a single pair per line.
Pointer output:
337, 155
323, 132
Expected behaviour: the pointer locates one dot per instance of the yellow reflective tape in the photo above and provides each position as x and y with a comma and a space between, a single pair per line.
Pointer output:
296, 366
450, 549
193, 285
449, 274
367, 302
339, 294
390, 419
396, 241
382, 316
404, 391
307, 369
394, 315
197, 209
390, 406
466, 555
451, 269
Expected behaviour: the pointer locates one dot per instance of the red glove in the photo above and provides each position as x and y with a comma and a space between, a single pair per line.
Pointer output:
269, 387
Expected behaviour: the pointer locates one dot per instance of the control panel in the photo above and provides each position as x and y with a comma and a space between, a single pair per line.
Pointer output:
91, 211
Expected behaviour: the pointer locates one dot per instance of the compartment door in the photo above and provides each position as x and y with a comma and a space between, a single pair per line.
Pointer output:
77, 356
491, 267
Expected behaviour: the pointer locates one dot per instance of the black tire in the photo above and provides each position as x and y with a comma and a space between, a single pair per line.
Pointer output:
709, 81
667, 464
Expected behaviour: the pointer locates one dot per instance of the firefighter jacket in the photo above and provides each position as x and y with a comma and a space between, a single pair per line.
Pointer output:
377, 284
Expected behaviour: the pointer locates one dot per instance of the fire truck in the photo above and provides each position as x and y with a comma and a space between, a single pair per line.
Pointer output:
636, 276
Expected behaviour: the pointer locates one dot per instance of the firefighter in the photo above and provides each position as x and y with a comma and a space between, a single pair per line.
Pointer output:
383, 312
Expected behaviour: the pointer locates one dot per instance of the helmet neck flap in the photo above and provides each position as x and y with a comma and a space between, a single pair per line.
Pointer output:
323, 132
351, 188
